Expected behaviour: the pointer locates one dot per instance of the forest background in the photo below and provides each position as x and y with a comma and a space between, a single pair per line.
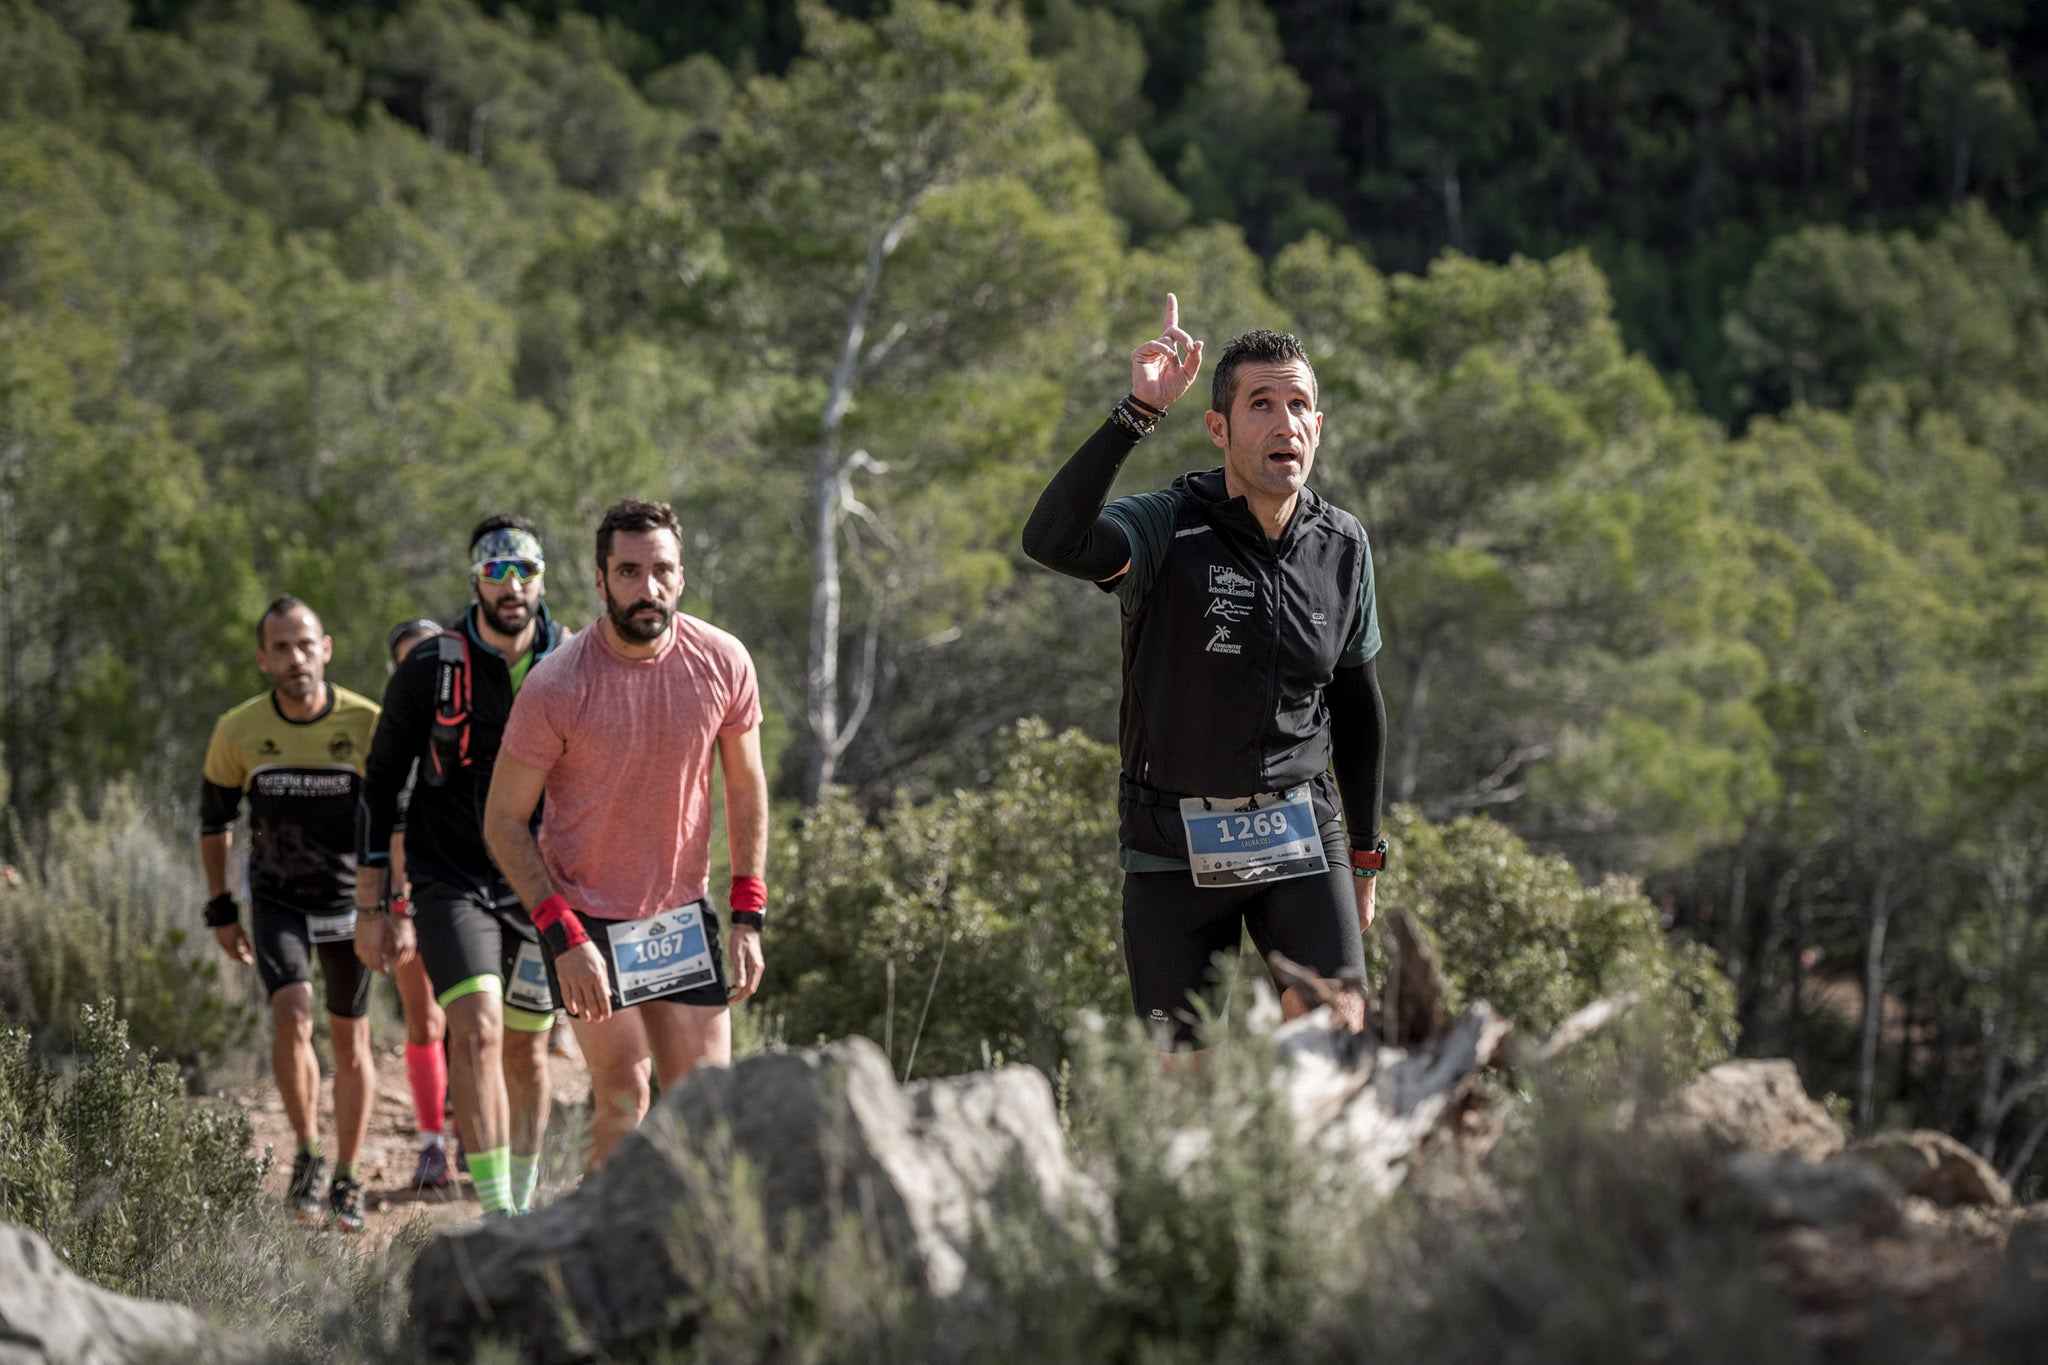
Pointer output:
1687, 362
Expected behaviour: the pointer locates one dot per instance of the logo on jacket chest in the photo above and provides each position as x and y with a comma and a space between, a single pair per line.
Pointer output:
1220, 643
1229, 582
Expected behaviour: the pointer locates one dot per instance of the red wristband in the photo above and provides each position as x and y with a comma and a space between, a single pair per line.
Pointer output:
748, 898
558, 924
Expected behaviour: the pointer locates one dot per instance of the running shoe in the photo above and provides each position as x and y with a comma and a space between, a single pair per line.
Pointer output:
304, 1192
345, 1204
432, 1171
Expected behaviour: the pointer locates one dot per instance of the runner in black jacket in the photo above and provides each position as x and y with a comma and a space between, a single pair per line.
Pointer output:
1250, 701
447, 706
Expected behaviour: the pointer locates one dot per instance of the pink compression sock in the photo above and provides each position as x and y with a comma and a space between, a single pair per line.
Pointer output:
427, 1068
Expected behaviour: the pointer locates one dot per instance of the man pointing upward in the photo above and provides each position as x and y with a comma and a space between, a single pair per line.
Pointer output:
1250, 703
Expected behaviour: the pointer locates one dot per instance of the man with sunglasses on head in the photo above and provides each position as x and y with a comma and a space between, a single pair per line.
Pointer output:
445, 711
620, 730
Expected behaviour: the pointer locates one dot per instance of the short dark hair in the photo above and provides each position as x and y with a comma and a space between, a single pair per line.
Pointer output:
278, 608
504, 521
407, 630
1259, 347
634, 514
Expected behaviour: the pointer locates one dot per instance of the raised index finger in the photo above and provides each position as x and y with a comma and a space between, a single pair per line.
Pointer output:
1172, 316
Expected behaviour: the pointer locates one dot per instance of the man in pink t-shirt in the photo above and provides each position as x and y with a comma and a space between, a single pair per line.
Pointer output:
618, 727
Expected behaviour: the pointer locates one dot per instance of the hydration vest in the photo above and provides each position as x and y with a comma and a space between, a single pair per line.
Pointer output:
448, 739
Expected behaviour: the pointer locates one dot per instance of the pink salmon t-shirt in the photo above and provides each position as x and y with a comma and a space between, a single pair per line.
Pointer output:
627, 745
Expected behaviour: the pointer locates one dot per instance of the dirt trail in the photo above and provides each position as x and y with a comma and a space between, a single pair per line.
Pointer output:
390, 1201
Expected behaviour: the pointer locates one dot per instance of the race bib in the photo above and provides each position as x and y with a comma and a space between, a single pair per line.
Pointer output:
331, 928
1265, 838
528, 987
660, 956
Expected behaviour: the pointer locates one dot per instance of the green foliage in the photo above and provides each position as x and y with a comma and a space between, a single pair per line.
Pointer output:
1522, 932
114, 1167
969, 926
115, 916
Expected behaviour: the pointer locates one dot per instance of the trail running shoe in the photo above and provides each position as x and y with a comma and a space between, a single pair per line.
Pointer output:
345, 1204
304, 1192
432, 1171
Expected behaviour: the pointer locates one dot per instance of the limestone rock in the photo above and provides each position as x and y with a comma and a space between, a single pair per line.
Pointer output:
1785, 1190
1935, 1167
49, 1316
823, 1131
1759, 1105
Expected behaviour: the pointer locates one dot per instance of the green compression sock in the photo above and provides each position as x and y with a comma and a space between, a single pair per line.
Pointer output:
310, 1146
488, 1172
344, 1170
525, 1180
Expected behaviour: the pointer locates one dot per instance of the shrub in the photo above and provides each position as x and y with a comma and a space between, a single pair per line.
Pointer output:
1519, 930
994, 912
116, 1168
982, 923
110, 910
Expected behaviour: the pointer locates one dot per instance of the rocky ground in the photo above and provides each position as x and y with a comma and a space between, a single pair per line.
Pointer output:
390, 1199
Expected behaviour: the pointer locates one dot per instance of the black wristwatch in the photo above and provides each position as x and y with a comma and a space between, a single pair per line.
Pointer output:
222, 911
1369, 862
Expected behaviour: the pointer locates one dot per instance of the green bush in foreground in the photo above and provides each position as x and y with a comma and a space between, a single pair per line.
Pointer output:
144, 1190
1520, 930
115, 1167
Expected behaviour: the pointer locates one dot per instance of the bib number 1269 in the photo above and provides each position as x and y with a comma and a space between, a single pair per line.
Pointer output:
1236, 828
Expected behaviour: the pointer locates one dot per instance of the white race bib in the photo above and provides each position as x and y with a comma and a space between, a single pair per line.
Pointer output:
331, 928
1270, 837
660, 956
528, 988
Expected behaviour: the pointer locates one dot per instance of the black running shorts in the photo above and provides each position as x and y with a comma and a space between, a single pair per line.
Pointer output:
1173, 929
710, 993
468, 944
284, 952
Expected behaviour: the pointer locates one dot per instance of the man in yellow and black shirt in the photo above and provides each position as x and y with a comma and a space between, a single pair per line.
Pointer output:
296, 753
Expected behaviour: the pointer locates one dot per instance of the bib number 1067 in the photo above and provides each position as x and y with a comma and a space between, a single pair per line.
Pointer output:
1264, 825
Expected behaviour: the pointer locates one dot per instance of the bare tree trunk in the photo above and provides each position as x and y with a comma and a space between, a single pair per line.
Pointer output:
2025, 1156
1802, 45
1454, 201
828, 510
1873, 999
10, 618
1795, 1020
1408, 774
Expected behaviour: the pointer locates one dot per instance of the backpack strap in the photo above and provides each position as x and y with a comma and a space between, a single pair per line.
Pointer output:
448, 747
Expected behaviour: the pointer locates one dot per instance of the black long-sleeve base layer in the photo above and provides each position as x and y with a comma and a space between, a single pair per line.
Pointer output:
1066, 531
1358, 748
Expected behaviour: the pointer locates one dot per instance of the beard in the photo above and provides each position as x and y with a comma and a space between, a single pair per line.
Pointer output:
639, 629
508, 617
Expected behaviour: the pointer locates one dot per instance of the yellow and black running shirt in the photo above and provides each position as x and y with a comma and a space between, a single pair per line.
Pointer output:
302, 779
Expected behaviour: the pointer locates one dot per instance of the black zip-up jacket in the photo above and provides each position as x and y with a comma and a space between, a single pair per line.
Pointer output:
1228, 657
444, 825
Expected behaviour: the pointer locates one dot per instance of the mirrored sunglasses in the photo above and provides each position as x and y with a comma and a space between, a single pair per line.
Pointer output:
508, 570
